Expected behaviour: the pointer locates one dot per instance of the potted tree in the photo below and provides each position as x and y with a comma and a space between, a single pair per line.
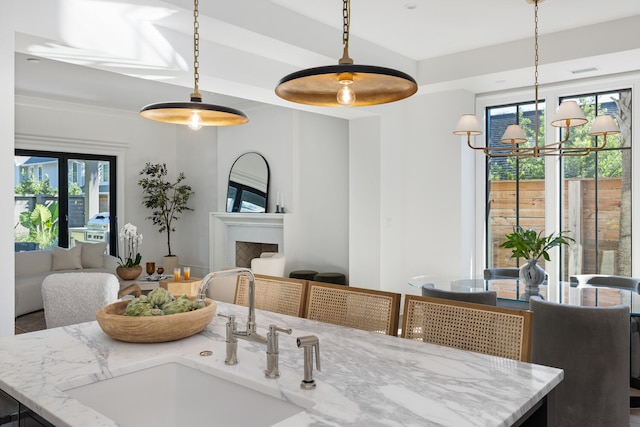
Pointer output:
166, 200
530, 245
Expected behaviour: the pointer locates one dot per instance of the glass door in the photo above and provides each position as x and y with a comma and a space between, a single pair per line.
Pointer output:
89, 199
36, 212
52, 212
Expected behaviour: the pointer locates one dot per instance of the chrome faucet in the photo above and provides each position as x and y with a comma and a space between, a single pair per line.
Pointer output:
250, 333
272, 370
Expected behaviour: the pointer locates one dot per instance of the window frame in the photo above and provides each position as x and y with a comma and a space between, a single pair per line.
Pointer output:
552, 94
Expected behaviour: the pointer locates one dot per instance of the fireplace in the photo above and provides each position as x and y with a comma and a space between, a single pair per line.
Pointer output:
251, 234
246, 251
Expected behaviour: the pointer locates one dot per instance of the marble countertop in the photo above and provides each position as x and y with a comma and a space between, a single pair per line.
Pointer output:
366, 378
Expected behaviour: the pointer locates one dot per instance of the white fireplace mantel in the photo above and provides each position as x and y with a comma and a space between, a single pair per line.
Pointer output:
225, 228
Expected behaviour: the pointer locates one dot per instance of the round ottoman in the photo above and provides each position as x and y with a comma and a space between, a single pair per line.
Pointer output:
336, 278
303, 274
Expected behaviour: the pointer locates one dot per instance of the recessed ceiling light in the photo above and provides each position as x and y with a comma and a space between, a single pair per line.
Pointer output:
410, 6
34, 60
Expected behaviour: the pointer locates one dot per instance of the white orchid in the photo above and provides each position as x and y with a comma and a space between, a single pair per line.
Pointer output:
132, 239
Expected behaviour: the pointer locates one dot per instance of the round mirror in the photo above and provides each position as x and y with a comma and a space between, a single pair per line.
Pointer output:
248, 184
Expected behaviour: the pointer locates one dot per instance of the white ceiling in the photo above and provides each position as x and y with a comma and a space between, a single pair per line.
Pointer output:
122, 53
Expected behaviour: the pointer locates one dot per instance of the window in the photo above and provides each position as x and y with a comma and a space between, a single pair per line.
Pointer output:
596, 192
104, 172
515, 187
593, 201
58, 210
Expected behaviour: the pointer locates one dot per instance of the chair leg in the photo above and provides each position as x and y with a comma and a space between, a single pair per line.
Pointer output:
634, 401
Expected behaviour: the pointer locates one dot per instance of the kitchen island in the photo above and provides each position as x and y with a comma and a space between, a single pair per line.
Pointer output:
366, 379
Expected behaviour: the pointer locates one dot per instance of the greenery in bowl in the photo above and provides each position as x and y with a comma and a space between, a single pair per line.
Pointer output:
529, 244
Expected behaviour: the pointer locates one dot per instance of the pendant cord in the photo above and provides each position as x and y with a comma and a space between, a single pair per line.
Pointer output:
196, 51
346, 14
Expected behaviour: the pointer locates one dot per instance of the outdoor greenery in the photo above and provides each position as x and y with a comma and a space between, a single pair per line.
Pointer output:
28, 185
530, 245
41, 224
74, 189
609, 162
165, 199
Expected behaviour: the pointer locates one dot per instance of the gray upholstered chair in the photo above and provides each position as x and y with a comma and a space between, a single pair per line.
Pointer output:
619, 282
591, 345
71, 298
482, 297
492, 273
605, 280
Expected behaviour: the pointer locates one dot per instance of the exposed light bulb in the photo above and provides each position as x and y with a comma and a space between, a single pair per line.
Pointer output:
195, 122
346, 95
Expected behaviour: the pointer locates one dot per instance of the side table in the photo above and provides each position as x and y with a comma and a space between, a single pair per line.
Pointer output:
185, 287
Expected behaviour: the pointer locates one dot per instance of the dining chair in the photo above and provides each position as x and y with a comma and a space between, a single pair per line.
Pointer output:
496, 331
278, 294
492, 273
605, 280
360, 308
481, 297
591, 345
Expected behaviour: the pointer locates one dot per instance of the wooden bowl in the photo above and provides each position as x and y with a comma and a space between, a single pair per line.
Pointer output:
150, 329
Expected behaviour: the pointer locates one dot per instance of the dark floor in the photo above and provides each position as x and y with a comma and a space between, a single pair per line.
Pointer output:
30, 322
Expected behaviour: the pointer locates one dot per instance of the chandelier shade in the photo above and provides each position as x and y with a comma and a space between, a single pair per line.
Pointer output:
468, 125
604, 125
513, 135
569, 114
194, 113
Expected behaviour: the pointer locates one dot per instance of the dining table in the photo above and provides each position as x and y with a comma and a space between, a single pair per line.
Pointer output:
511, 292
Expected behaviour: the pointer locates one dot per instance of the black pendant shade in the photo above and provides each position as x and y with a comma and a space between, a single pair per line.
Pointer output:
372, 85
182, 112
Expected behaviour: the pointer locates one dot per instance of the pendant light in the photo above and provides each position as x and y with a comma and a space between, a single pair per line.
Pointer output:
568, 115
194, 113
346, 84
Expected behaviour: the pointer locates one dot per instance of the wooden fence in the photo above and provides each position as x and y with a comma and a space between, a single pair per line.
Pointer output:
580, 194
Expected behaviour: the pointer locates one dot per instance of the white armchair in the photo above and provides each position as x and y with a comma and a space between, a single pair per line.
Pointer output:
71, 298
269, 264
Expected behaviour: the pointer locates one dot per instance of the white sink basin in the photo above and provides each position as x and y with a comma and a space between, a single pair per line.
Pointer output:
173, 394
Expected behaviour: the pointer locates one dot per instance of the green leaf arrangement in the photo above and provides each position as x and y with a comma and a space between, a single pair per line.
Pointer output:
529, 244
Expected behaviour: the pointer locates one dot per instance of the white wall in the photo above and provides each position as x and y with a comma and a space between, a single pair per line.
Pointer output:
364, 202
197, 157
7, 295
321, 204
308, 163
425, 217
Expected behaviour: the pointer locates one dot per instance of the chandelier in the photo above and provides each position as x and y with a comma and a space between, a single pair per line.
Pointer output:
346, 84
567, 115
194, 113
